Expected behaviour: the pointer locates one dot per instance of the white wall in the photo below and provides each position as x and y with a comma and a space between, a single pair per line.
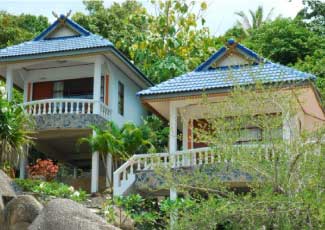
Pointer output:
57, 74
133, 109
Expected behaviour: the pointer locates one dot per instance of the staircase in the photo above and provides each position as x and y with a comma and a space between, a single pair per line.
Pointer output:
125, 176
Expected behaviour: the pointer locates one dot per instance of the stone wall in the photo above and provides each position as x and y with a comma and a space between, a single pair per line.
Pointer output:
53, 121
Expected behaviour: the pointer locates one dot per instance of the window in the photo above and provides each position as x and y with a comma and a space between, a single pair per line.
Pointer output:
120, 98
58, 89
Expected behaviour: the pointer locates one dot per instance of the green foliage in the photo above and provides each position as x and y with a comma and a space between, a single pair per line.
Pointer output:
143, 212
286, 177
15, 130
283, 40
163, 45
55, 189
16, 29
314, 14
159, 132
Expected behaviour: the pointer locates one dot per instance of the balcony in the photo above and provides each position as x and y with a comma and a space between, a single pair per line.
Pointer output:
67, 112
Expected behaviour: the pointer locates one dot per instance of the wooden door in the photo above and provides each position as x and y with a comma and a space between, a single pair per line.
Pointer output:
42, 90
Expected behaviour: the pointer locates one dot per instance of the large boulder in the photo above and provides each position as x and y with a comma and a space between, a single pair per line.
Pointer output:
62, 214
2, 208
21, 211
6, 186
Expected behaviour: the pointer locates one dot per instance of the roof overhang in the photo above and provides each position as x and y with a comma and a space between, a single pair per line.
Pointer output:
145, 82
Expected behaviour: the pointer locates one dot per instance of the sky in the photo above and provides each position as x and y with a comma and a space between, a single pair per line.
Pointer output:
219, 16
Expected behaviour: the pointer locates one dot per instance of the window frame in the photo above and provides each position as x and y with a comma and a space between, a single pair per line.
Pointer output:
120, 98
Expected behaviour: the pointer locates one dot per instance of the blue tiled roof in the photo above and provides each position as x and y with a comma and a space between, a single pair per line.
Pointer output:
225, 77
207, 77
44, 45
54, 45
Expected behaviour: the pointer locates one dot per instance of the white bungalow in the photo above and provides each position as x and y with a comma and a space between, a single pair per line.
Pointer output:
232, 65
71, 79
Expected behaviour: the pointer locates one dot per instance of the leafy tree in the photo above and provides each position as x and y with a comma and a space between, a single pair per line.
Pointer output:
314, 14
163, 45
159, 132
16, 29
284, 40
315, 64
257, 19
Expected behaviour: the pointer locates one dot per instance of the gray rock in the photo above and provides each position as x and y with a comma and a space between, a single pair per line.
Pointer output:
21, 211
2, 207
62, 214
6, 186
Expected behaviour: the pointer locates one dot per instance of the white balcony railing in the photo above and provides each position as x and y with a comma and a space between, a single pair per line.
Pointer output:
125, 175
66, 106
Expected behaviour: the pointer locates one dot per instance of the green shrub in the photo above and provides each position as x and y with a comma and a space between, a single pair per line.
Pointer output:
55, 189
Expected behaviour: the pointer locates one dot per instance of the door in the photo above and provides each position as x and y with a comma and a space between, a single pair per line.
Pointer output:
42, 90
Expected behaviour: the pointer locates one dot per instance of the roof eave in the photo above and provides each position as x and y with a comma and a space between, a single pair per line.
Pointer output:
79, 52
214, 90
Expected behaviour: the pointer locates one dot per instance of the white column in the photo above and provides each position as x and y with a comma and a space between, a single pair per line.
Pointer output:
9, 83
94, 171
25, 91
185, 134
172, 128
74, 172
287, 128
185, 141
172, 138
97, 80
109, 172
22, 167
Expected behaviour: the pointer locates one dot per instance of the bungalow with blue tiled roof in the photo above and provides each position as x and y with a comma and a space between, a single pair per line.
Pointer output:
72, 78
230, 66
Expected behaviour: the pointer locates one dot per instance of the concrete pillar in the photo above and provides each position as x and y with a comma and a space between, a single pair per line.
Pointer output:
25, 91
172, 128
172, 138
74, 172
109, 172
185, 140
286, 128
9, 83
185, 134
22, 167
94, 171
97, 81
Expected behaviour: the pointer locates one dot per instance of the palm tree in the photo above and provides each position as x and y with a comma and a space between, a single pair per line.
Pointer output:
106, 141
120, 143
136, 139
15, 131
257, 19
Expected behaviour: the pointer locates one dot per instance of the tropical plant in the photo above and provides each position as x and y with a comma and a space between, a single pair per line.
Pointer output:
52, 188
119, 142
106, 140
136, 139
257, 19
43, 168
15, 130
